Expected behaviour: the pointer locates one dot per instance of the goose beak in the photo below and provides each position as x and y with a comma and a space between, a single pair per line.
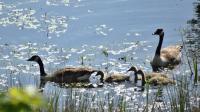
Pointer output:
127, 71
28, 60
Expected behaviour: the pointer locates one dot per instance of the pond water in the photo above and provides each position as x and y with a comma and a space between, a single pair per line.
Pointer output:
71, 32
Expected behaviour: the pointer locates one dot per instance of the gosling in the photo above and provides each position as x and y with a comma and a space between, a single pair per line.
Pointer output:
154, 78
122, 77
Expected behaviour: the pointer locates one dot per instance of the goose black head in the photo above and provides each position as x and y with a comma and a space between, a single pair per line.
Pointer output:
133, 68
140, 72
100, 73
133, 77
159, 32
35, 58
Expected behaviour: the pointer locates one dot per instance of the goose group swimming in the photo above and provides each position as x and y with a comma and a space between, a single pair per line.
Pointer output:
167, 57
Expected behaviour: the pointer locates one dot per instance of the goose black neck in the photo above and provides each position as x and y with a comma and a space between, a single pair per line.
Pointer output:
42, 72
136, 78
102, 75
159, 44
143, 79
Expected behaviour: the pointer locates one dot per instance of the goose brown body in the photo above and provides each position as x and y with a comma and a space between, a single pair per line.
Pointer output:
116, 77
167, 57
154, 78
70, 75
121, 77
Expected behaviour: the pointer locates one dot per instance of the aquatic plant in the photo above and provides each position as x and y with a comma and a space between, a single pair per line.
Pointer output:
21, 100
83, 58
195, 65
179, 95
105, 53
53, 103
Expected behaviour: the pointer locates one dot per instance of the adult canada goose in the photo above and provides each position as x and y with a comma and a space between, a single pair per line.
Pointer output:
65, 75
167, 57
121, 77
154, 78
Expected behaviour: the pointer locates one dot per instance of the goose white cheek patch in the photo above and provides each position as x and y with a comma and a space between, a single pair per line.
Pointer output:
139, 83
95, 80
132, 76
92, 78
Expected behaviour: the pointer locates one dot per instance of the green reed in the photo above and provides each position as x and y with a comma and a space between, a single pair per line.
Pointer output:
54, 103
179, 95
195, 65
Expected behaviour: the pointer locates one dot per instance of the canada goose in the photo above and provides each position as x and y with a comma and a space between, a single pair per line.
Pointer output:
65, 75
154, 78
121, 77
167, 57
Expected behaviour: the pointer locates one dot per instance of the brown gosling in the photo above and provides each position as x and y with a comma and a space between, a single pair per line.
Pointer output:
120, 77
116, 77
65, 75
167, 57
155, 78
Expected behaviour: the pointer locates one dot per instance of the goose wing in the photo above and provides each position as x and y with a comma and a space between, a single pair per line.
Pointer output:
73, 71
158, 78
171, 53
161, 81
117, 77
73, 74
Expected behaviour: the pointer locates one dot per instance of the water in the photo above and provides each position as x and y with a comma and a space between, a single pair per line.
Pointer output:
99, 22
62, 32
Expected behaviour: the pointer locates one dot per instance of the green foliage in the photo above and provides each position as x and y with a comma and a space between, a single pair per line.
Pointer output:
83, 58
179, 96
195, 70
20, 100
53, 103
105, 52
